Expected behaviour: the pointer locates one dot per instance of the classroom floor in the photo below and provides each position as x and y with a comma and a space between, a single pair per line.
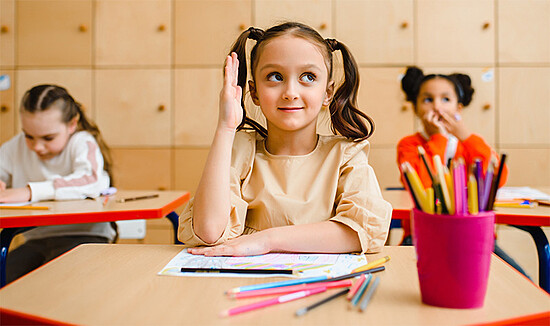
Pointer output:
516, 243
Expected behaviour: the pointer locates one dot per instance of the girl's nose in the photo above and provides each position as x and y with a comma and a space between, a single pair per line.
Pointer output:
290, 91
38, 146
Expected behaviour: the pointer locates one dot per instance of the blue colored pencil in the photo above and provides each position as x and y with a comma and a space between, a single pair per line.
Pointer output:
279, 284
361, 290
369, 294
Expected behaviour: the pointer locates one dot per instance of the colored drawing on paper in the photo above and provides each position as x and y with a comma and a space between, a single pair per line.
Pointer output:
308, 265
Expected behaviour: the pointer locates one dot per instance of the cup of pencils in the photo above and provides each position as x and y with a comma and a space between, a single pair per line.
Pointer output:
453, 231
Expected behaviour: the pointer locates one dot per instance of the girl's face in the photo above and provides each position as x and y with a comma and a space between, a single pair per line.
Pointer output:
439, 95
291, 84
45, 132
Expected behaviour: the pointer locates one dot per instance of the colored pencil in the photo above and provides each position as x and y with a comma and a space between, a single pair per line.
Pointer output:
369, 294
409, 188
123, 200
422, 154
479, 179
472, 195
269, 285
238, 271
32, 208
417, 187
440, 172
290, 289
304, 310
361, 291
269, 302
356, 286
487, 184
496, 181
372, 264
450, 186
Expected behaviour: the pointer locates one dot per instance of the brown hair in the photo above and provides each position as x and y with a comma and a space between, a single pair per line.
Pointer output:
347, 120
42, 97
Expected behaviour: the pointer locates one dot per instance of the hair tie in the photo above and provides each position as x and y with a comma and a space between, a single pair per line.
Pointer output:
333, 44
255, 33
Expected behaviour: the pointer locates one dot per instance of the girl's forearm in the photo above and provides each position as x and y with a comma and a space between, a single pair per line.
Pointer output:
213, 196
323, 237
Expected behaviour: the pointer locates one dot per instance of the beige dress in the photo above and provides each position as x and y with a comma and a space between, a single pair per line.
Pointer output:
334, 182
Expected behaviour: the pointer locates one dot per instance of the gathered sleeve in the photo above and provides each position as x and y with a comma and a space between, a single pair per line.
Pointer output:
242, 158
359, 202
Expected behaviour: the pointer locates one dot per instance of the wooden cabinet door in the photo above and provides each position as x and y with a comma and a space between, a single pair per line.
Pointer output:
133, 107
524, 31
78, 82
143, 168
377, 32
7, 33
8, 110
527, 166
188, 166
315, 13
206, 29
523, 113
196, 105
383, 160
380, 97
455, 32
133, 33
54, 33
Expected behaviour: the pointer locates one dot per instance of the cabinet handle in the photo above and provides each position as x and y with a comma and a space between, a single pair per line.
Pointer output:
4, 29
4, 109
162, 28
161, 188
161, 108
404, 25
404, 108
83, 28
323, 26
486, 106
486, 25
242, 26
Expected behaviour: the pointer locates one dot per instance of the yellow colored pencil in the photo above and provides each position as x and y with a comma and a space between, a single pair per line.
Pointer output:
41, 208
472, 194
440, 171
431, 200
450, 189
372, 264
417, 187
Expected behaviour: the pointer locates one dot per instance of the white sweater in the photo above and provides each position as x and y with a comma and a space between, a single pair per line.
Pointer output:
76, 173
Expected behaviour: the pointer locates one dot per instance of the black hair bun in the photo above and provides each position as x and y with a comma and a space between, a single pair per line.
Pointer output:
466, 85
410, 82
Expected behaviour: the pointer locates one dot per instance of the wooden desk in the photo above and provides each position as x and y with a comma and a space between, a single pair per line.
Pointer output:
87, 211
527, 219
118, 285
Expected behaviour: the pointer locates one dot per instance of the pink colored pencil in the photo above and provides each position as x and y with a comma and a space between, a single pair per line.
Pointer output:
269, 302
458, 192
289, 289
356, 286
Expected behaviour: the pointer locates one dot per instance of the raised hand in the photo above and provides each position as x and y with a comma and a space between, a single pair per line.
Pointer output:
231, 112
431, 123
454, 124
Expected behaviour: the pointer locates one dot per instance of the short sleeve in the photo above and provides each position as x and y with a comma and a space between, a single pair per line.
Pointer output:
242, 158
359, 202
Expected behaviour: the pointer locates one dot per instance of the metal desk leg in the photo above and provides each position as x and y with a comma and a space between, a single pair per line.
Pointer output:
174, 218
543, 250
6, 235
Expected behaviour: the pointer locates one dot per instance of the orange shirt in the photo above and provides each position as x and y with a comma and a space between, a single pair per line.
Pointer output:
474, 147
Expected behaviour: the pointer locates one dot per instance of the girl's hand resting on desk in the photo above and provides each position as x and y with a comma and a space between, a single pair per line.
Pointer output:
15, 195
231, 112
2, 185
245, 245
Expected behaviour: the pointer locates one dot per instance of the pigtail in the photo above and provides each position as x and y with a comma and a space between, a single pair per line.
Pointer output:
347, 119
410, 83
88, 125
465, 84
240, 49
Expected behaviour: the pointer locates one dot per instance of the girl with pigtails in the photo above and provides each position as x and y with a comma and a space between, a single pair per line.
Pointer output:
285, 188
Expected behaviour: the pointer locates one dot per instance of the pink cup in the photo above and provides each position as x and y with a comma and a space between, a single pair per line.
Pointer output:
453, 257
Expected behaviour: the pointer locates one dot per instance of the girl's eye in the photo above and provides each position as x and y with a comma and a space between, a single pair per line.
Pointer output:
28, 137
427, 100
274, 76
48, 138
446, 99
308, 77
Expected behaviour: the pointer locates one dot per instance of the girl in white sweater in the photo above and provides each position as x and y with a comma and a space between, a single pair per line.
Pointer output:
59, 155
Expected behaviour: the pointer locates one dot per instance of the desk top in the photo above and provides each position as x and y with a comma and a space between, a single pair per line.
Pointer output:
539, 216
118, 285
93, 211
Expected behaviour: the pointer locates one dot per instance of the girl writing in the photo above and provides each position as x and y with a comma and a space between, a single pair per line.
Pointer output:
59, 155
438, 101
285, 188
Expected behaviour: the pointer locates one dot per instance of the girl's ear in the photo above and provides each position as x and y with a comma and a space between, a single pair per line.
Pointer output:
329, 93
459, 107
73, 124
253, 93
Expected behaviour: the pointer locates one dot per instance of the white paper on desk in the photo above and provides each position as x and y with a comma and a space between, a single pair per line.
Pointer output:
309, 265
509, 193
16, 204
